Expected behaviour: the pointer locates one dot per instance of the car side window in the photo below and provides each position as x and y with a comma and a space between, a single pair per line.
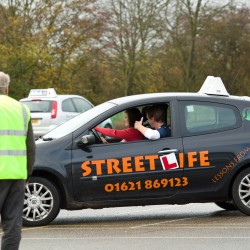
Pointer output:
203, 117
123, 123
68, 106
81, 105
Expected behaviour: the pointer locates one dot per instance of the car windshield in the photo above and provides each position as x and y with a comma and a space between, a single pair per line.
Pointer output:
76, 122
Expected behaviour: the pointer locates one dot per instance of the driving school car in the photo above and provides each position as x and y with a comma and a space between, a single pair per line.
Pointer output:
206, 158
48, 109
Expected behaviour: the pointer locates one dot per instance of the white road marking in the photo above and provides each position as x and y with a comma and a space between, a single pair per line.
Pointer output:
168, 221
146, 237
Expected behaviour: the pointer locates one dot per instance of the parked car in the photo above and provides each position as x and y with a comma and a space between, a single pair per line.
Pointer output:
206, 158
48, 109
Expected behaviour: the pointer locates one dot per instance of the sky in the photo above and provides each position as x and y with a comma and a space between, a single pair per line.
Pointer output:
240, 2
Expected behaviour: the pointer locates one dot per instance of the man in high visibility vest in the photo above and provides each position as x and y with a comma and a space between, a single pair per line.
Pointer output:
17, 156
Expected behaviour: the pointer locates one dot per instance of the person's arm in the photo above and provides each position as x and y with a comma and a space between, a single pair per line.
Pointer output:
147, 132
122, 134
31, 149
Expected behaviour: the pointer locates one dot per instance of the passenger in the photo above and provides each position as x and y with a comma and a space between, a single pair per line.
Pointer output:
130, 133
156, 115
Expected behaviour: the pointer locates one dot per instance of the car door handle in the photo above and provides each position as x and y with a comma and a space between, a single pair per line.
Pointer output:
168, 151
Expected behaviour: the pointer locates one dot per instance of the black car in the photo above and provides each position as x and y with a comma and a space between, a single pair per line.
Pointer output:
206, 158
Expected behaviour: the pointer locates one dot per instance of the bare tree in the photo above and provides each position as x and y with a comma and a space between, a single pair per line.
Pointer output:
132, 35
182, 26
227, 47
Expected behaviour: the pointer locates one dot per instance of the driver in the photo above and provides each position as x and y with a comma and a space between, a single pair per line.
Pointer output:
130, 133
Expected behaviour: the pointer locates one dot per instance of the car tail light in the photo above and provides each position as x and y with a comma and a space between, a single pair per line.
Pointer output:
54, 110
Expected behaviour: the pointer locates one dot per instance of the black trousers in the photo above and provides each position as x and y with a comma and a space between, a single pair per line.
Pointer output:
11, 209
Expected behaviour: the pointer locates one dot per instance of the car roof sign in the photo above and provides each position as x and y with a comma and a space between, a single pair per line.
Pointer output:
213, 86
50, 92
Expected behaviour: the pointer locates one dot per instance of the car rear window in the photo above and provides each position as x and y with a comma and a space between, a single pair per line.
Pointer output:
39, 106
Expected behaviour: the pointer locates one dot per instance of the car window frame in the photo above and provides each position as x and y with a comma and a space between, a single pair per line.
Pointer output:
68, 100
76, 101
140, 106
184, 103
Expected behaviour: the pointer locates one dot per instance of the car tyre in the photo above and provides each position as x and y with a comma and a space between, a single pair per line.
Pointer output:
227, 205
41, 202
241, 191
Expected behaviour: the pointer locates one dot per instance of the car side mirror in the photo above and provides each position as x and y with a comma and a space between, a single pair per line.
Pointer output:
86, 140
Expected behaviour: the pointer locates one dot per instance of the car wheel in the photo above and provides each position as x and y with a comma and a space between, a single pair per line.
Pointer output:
41, 202
227, 205
241, 191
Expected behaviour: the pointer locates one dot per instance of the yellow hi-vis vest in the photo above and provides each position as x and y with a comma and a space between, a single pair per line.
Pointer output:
14, 119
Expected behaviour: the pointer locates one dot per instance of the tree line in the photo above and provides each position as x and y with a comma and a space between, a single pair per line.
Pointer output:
103, 49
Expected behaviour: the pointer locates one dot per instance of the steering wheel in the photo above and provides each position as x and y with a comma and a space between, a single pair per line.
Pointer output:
100, 139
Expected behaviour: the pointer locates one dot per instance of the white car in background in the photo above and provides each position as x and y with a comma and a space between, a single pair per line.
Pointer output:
48, 109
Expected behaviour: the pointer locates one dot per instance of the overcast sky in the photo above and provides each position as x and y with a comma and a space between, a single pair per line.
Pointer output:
240, 2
